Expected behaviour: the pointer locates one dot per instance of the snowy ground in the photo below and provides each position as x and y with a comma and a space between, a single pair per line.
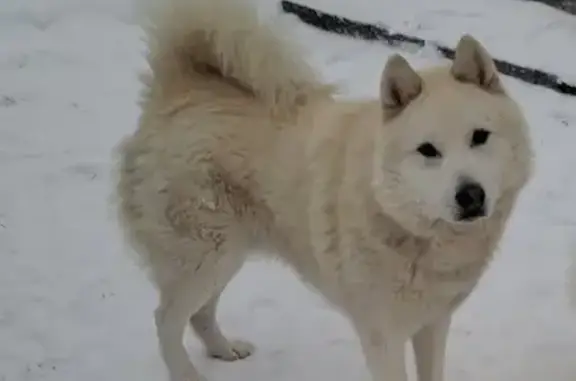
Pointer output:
74, 307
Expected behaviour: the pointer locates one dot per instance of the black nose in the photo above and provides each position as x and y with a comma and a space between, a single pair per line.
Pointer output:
471, 199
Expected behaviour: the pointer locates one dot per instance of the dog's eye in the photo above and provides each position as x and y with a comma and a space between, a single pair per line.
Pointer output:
428, 150
479, 137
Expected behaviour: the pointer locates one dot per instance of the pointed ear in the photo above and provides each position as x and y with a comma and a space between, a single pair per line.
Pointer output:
399, 85
472, 64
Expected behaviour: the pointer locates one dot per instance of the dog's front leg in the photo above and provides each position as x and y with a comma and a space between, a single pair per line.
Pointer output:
384, 354
430, 349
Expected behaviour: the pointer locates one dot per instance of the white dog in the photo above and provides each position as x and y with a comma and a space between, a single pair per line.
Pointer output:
390, 208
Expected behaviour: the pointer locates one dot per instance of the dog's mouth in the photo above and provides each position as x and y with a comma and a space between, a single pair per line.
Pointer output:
468, 216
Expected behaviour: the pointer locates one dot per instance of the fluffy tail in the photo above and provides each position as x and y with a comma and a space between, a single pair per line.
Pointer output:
226, 39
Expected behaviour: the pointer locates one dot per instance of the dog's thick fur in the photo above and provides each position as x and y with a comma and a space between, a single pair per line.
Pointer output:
241, 147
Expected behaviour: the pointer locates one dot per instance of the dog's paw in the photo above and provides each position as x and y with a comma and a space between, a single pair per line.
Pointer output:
235, 350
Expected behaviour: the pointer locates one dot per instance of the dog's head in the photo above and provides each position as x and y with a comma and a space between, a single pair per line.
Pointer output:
452, 142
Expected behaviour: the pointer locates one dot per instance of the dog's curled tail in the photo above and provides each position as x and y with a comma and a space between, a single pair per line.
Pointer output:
225, 38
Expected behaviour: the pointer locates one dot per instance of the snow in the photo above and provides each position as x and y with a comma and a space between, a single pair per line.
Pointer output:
73, 306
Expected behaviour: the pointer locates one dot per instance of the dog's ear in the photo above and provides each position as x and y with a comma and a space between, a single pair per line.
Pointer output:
399, 85
473, 64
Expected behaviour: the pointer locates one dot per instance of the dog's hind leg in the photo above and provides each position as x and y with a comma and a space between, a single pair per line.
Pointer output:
192, 290
176, 305
217, 345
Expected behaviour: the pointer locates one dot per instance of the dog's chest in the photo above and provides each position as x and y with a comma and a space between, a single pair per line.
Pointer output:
411, 279
407, 295
432, 270
428, 285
